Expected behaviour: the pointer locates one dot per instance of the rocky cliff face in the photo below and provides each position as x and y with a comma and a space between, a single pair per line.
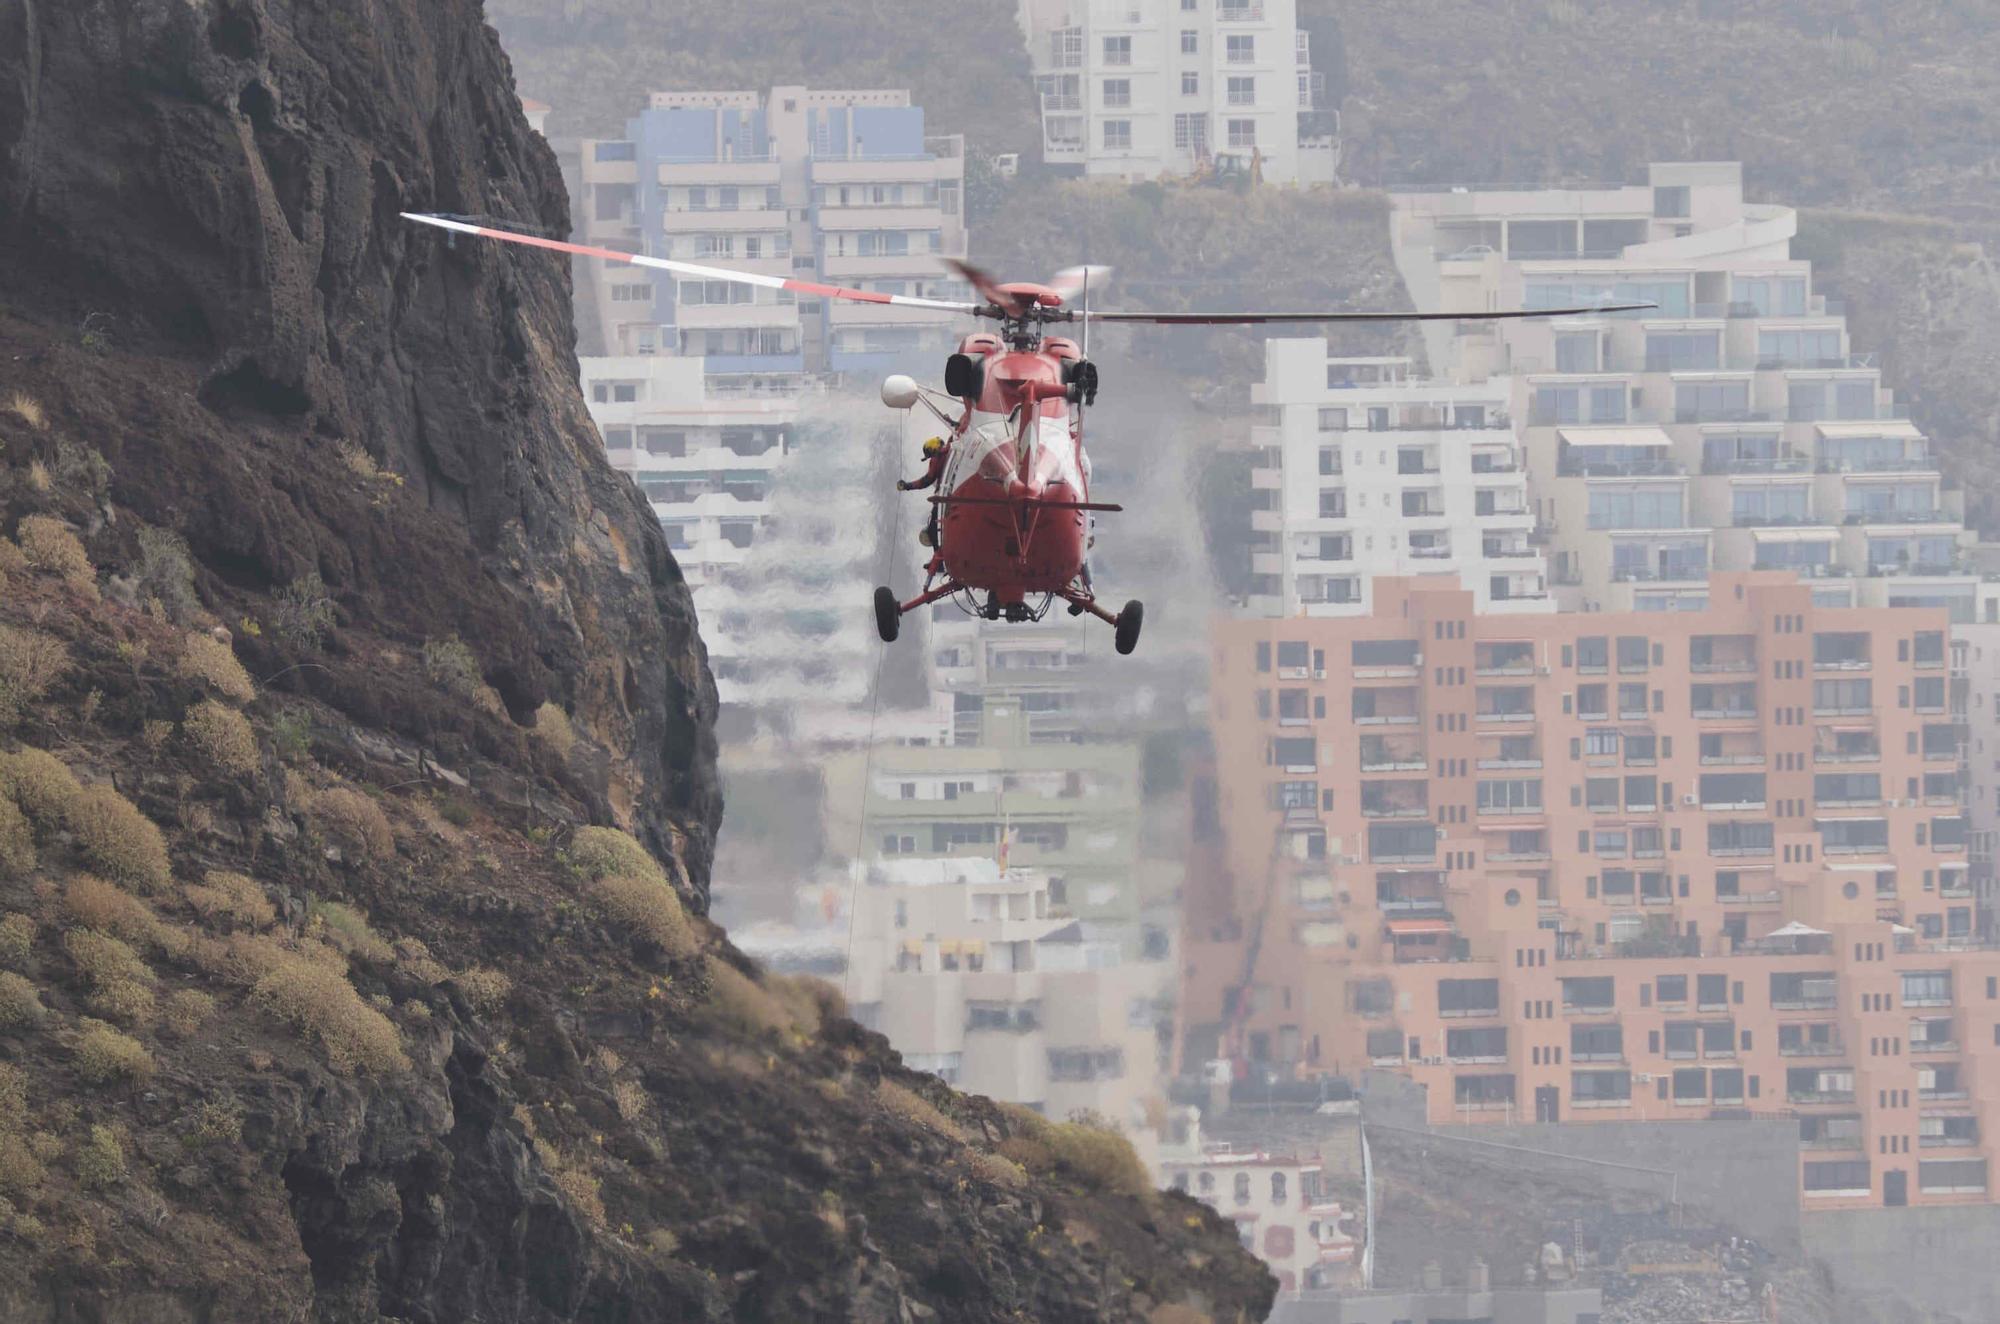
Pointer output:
356, 766
217, 185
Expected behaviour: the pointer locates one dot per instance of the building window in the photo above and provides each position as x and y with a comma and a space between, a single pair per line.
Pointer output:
1243, 133
1190, 84
1118, 135
1190, 41
1117, 93
1242, 91
1118, 50
1191, 134
1241, 48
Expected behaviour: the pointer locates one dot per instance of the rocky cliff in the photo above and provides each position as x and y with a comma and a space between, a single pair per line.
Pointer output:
356, 765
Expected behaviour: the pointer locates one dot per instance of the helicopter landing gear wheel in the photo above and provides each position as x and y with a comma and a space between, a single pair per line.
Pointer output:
888, 615
1127, 637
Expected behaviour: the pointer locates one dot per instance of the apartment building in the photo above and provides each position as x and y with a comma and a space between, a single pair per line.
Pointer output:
1734, 426
754, 483
1364, 472
836, 186
1975, 663
1614, 865
1137, 89
1069, 809
978, 974
1283, 1214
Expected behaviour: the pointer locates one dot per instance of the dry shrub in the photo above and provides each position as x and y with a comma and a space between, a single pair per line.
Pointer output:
215, 1122
553, 729
810, 1000
576, 1183
317, 999
453, 667
1177, 1313
231, 896
40, 784
739, 1002
17, 841
207, 659
21, 1172
906, 1103
120, 840
246, 958
631, 1100
50, 547
13, 1097
165, 574
100, 1160
30, 663
600, 852
121, 982
302, 612
17, 938
124, 1001
103, 1055
103, 959
222, 738
662, 1244
355, 822
28, 409
483, 989
96, 904
187, 1011
1102, 1157
652, 910
20, 1004
348, 930
414, 961
996, 1169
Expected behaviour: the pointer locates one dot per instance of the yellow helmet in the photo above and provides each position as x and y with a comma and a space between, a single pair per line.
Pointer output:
932, 447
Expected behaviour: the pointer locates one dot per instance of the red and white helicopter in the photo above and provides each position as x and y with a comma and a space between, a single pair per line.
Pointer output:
1010, 530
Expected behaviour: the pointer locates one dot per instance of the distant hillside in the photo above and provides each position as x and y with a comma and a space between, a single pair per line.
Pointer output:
1187, 248
594, 59
1892, 103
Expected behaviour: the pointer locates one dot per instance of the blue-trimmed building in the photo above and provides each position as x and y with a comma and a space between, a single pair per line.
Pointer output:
841, 187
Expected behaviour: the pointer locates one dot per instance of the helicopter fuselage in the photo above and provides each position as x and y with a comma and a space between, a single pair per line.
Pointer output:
1014, 483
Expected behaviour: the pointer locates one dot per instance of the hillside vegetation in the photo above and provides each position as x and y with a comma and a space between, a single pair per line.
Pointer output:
594, 60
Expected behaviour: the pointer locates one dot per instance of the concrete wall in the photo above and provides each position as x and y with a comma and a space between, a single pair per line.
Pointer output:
1890, 1264
1739, 1175
1742, 1175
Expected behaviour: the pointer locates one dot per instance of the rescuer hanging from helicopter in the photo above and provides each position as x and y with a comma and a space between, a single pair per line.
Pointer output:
934, 458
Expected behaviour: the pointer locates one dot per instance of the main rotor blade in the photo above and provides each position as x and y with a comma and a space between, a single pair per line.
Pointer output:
1073, 281
1253, 319
989, 289
695, 269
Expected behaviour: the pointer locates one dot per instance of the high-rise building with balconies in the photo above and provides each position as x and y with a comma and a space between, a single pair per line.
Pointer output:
842, 187
1136, 89
1573, 867
1364, 472
1733, 427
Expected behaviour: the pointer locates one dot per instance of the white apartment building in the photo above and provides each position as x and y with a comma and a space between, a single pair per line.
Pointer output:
835, 186
1137, 89
975, 973
1363, 471
1282, 1214
754, 482
1732, 427
1975, 691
